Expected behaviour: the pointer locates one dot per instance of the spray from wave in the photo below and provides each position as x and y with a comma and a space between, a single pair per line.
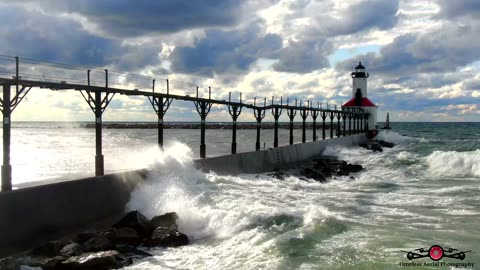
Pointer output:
394, 137
455, 164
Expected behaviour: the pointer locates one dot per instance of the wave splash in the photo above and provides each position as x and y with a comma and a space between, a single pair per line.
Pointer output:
394, 137
455, 164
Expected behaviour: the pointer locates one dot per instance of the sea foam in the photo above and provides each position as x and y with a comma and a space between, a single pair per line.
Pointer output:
455, 164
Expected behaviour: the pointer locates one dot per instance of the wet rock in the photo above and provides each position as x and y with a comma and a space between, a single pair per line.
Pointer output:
168, 220
124, 236
72, 249
364, 145
51, 248
375, 147
53, 263
386, 144
132, 252
99, 242
85, 236
354, 168
136, 221
9, 263
103, 260
280, 175
165, 237
313, 174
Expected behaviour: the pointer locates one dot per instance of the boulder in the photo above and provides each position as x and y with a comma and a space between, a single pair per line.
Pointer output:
99, 242
136, 221
53, 263
72, 249
386, 144
51, 248
165, 237
355, 168
376, 147
9, 263
168, 220
314, 174
124, 236
132, 252
103, 260
364, 145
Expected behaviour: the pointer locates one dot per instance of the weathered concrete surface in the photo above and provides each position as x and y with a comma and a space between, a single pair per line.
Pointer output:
34, 214
49, 210
274, 158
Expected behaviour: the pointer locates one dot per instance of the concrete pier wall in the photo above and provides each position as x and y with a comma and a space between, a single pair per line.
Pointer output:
34, 214
274, 158
29, 216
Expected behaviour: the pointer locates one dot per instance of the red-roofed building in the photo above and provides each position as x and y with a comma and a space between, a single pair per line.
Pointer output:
360, 101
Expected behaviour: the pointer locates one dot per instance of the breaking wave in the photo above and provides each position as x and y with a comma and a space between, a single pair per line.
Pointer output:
453, 163
394, 137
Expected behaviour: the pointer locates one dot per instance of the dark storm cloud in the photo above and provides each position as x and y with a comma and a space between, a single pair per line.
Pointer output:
364, 15
222, 51
304, 56
125, 18
457, 8
60, 39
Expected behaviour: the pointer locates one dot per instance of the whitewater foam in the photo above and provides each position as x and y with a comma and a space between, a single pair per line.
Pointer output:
394, 137
454, 164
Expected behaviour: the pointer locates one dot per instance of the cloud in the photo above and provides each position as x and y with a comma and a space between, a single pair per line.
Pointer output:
444, 49
60, 39
358, 17
304, 56
458, 8
124, 18
225, 51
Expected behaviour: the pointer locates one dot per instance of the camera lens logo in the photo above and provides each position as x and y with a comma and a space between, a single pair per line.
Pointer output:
436, 253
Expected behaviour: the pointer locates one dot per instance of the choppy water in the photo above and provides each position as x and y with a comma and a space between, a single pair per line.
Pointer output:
423, 192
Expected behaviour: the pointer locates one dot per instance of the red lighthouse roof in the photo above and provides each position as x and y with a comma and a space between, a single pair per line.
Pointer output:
365, 103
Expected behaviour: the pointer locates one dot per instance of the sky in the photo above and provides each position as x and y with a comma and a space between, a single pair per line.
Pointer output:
423, 56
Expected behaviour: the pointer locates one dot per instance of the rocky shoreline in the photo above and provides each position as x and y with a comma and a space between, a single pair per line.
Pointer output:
330, 167
112, 248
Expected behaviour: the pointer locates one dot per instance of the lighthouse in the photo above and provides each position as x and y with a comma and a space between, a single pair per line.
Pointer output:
360, 101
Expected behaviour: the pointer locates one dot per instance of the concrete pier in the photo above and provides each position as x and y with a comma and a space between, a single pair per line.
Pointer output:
35, 214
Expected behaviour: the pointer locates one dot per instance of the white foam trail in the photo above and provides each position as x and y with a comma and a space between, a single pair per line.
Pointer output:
455, 164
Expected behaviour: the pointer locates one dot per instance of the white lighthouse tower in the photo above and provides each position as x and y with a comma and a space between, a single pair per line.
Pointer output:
360, 101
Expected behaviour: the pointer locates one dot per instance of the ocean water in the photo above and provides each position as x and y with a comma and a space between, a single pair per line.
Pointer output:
423, 192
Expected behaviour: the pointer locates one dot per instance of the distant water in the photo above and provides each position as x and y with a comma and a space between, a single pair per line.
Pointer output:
425, 191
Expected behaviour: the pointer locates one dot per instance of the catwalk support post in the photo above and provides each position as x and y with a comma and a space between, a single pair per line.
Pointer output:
160, 105
8, 103
332, 116
314, 113
203, 107
276, 112
259, 114
234, 109
304, 115
324, 117
291, 112
98, 104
